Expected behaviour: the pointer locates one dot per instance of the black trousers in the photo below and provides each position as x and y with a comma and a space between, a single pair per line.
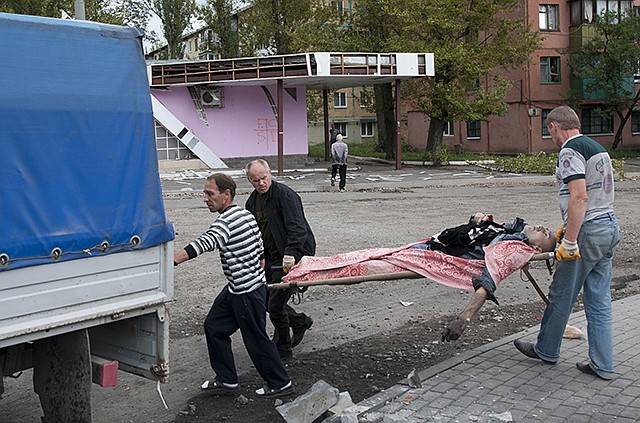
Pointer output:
282, 315
248, 313
342, 170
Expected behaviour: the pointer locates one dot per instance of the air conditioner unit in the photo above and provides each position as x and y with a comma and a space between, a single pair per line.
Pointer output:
534, 111
211, 96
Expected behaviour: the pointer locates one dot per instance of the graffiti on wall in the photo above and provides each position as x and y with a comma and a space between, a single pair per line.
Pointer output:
266, 132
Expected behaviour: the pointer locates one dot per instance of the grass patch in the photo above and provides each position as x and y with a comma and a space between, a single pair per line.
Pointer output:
541, 163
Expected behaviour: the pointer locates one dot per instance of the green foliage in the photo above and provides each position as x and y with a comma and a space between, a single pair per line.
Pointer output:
605, 64
472, 43
175, 16
106, 11
439, 157
544, 163
273, 24
218, 16
539, 163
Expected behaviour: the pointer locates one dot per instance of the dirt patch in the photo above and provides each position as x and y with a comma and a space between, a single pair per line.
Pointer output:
372, 364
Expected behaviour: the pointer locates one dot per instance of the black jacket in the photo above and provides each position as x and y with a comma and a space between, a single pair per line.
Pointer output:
285, 216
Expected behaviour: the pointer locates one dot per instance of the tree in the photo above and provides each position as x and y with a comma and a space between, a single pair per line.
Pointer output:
116, 12
269, 25
606, 64
95, 10
376, 26
473, 43
175, 16
218, 16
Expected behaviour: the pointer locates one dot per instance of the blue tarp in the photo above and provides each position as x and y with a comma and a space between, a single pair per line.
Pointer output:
78, 163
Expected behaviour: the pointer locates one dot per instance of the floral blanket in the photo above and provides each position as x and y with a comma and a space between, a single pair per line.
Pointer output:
501, 258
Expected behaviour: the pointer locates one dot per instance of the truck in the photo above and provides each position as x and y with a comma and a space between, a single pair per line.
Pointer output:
86, 249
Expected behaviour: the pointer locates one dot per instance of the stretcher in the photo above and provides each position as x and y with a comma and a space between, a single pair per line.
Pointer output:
381, 264
376, 264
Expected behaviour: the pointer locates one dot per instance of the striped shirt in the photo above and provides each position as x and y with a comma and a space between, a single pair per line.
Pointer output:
236, 235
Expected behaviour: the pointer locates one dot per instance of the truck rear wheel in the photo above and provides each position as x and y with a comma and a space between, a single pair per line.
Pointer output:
62, 377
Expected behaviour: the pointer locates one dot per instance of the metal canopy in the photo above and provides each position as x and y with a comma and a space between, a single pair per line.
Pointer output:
318, 71
315, 71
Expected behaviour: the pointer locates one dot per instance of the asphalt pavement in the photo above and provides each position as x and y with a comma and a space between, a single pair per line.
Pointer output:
494, 382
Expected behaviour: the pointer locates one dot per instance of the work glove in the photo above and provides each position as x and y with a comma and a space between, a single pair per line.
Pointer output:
287, 263
567, 250
559, 234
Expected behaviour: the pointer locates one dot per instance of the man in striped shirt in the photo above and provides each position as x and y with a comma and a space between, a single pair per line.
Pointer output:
242, 303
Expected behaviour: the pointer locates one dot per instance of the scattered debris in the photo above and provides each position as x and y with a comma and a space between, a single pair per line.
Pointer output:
311, 405
503, 417
572, 332
190, 411
378, 178
413, 379
242, 400
344, 402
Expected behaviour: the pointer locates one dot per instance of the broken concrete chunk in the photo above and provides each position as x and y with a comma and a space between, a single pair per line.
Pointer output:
311, 405
344, 401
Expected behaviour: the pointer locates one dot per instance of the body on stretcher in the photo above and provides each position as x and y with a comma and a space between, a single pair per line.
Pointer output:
378, 264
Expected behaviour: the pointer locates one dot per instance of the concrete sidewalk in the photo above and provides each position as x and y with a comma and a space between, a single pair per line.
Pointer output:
496, 383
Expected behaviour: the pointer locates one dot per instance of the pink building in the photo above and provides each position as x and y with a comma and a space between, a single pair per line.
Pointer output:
226, 112
539, 88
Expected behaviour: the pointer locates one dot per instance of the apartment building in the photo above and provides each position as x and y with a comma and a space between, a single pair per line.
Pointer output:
540, 87
351, 113
537, 89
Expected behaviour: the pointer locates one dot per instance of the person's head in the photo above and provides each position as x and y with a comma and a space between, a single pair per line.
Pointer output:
540, 238
259, 175
219, 191
339, 138
562, 123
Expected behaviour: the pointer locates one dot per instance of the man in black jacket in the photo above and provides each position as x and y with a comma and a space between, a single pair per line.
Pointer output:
287, 237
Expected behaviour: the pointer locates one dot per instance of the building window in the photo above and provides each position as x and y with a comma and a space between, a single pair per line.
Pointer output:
593, 123
340, 100
635, 122
341, 127
366, 99
168, 146
473, 130
548, 17
583, 11
366, 129
545, 130
448, 129
550, 70
337, 5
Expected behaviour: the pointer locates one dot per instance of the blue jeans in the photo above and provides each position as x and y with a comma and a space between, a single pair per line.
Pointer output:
597, 241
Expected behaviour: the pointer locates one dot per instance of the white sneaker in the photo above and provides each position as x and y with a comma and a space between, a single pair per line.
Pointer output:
267, 392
